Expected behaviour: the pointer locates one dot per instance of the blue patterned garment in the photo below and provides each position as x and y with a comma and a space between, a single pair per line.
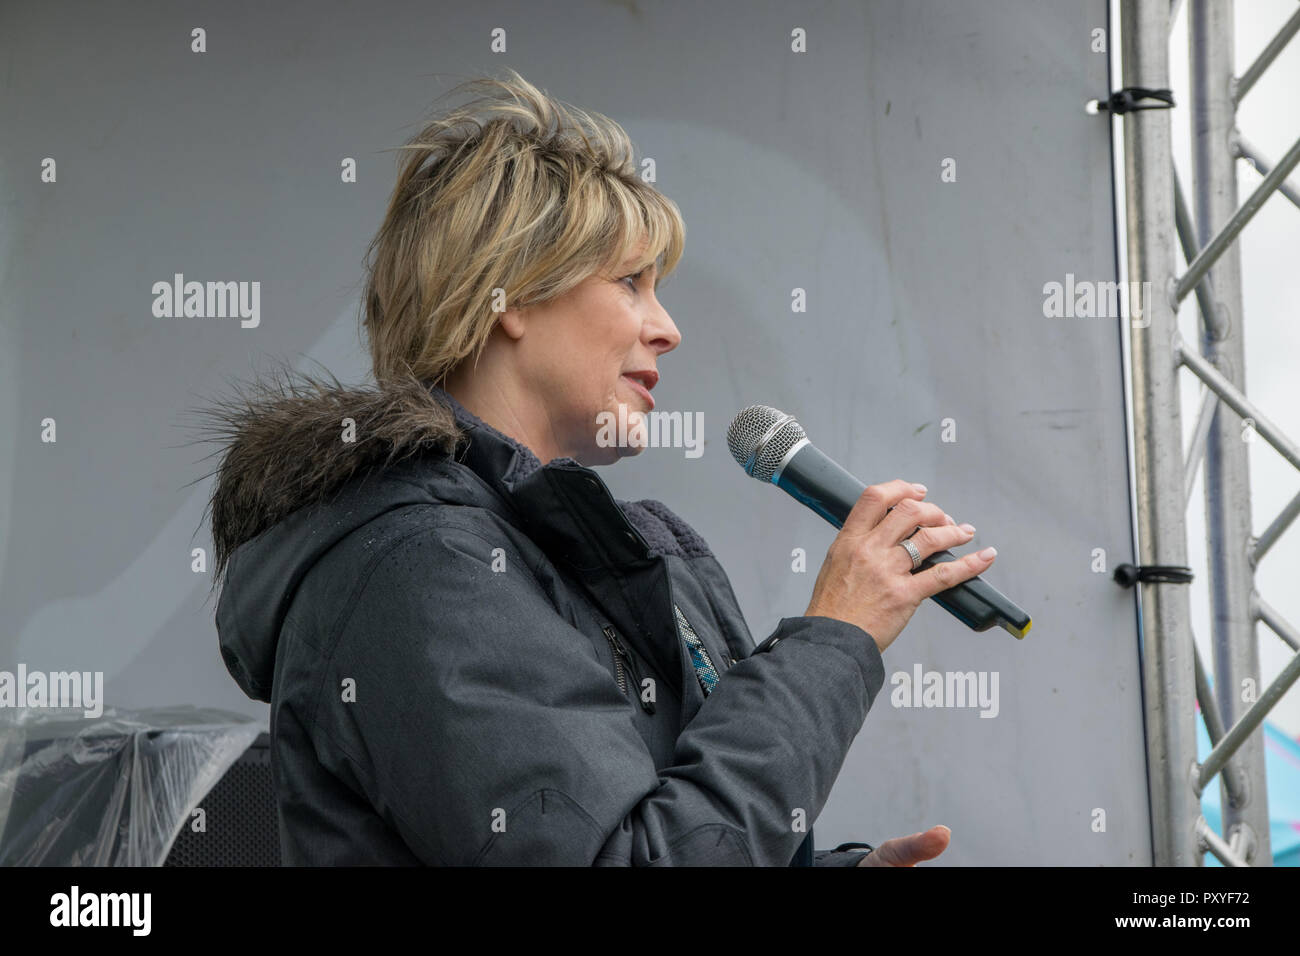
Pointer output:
704, 669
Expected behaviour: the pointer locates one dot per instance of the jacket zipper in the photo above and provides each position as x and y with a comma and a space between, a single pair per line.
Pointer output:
619, 675
623, 657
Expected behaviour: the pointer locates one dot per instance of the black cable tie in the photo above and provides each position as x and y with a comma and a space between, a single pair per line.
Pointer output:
1126, 100
1127, 575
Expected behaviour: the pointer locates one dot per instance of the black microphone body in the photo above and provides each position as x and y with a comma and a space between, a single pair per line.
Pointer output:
813, 478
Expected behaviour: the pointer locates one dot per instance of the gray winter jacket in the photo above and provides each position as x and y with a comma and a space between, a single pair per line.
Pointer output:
474, 658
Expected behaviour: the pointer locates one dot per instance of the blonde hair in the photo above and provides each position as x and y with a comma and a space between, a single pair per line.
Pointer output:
512, 191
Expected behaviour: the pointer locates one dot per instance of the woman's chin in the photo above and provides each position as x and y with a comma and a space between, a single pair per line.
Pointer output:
620, 433
608, 455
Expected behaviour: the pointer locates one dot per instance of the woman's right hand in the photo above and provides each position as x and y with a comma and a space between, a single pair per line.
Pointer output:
867, 576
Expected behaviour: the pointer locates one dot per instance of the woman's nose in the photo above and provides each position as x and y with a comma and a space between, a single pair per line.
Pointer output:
663, 332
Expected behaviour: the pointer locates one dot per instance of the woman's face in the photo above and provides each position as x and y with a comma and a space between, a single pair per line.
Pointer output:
588, 352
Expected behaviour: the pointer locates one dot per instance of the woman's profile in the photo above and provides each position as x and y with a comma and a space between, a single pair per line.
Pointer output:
473, 653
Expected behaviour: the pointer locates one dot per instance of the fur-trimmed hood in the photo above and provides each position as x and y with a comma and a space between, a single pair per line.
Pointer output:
293, 440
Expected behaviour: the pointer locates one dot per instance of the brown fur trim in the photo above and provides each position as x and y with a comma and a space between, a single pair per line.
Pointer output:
284, 448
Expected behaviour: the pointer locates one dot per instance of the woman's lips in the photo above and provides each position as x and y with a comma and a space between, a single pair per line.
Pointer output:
641, 389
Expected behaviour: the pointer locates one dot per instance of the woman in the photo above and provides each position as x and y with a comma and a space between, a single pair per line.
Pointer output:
472, 652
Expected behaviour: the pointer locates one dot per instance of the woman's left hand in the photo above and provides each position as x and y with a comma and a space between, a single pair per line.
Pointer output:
909, 850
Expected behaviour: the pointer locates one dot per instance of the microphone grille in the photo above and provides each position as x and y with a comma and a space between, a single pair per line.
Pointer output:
760, 437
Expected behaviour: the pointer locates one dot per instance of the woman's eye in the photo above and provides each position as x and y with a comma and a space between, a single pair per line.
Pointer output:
633, 279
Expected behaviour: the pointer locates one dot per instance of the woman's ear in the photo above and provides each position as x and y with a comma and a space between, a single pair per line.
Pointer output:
512, 322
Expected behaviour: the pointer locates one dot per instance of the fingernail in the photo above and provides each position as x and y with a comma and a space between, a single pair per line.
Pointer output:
988, 554
948, 518
919, 487
968, 528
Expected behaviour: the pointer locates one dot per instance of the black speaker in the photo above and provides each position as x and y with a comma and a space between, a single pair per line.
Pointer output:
241, 827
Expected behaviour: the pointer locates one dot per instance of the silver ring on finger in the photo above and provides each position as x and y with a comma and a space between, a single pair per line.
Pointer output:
911, 550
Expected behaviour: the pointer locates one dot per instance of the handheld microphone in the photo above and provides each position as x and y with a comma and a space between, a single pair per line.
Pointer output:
772, 447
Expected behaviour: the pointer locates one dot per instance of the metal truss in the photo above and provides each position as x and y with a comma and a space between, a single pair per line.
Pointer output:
1156, 211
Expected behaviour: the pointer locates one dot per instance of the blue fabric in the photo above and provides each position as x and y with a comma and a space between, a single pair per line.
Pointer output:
704, 669
1282, 770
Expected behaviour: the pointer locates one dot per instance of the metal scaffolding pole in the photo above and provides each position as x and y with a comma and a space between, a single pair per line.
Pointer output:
1168, 673
1227, 472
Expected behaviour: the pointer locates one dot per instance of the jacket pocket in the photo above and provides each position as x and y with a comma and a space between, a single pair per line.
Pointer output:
626, 669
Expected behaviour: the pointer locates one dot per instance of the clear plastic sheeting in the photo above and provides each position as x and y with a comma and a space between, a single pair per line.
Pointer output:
109, 791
